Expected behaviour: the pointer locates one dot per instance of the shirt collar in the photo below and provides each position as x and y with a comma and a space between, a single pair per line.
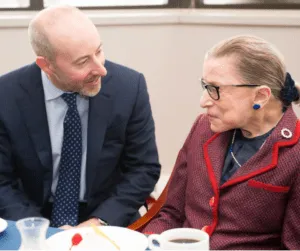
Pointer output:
50, 90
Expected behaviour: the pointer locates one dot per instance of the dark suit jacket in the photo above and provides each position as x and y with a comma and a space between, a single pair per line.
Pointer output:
257, 208
122, 161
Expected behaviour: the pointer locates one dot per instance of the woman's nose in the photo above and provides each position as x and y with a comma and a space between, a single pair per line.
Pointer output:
205, 100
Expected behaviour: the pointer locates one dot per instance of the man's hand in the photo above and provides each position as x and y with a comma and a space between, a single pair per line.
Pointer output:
88, 223
66, 227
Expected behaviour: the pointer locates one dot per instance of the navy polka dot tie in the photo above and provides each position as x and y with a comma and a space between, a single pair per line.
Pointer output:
65, 205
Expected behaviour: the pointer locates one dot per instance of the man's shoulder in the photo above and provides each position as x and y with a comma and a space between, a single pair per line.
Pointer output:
119, 70
18, 74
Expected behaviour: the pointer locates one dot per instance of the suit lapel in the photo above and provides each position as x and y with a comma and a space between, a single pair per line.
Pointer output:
100, 109
263, 161
33, 109
267, 157
214, 154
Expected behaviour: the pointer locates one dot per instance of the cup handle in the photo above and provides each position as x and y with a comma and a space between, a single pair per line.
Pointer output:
151, 238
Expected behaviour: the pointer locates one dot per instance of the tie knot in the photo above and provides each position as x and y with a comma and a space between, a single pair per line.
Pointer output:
70, 99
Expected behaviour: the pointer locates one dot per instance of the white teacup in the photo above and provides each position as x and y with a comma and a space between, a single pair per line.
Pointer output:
180, 239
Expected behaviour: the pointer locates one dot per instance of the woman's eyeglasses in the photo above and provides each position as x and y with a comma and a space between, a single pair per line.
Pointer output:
213, 90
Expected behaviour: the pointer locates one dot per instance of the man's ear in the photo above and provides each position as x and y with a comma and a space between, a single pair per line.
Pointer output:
262, 95
44, 64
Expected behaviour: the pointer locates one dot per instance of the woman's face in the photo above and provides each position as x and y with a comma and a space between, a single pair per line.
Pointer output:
234, 107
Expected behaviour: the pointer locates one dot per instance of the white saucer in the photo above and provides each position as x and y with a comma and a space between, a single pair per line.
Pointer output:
126, 239
3, 225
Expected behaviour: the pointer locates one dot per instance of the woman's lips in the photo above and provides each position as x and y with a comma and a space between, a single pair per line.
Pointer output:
210, 116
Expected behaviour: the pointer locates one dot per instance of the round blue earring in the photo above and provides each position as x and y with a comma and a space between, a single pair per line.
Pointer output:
256, 106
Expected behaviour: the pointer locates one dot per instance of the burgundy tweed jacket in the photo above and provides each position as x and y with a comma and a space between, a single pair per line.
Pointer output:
257, 208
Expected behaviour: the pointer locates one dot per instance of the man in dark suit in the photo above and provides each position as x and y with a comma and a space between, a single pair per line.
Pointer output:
69, 151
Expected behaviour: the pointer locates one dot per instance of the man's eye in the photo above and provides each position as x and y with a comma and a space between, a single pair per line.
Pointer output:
82, 62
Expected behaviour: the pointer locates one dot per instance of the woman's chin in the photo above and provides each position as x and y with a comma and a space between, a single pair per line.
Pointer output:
217, 127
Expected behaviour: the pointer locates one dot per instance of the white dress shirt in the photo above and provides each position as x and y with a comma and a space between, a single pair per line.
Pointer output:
56, 109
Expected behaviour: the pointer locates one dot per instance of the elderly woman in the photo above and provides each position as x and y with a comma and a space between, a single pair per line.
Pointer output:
237, 176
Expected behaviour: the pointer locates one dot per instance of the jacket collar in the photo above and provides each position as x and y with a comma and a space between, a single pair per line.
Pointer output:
286, 133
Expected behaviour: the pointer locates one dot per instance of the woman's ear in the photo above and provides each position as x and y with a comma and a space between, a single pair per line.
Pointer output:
262, 95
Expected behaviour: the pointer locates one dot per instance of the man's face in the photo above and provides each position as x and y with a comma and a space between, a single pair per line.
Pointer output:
79, 61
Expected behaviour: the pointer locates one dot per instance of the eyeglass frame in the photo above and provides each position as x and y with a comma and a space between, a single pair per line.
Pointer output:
205, 85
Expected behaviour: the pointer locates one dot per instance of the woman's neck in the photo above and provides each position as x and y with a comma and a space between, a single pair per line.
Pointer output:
262, 124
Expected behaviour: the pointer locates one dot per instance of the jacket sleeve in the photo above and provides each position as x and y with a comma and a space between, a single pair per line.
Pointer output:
14, 204
140, 165
172, 214
291, 224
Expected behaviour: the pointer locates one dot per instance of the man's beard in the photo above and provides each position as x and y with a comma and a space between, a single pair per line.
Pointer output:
79, 87
90, 93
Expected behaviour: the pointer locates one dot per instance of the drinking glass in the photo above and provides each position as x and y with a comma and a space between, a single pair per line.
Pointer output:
33, 233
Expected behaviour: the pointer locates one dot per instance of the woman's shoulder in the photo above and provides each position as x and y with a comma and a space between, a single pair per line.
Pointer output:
200, 129
202, 124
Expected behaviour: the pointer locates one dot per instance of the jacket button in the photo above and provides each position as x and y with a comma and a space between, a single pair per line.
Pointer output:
212, 201
206, 229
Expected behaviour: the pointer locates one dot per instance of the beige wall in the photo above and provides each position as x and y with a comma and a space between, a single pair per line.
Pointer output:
168, 48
